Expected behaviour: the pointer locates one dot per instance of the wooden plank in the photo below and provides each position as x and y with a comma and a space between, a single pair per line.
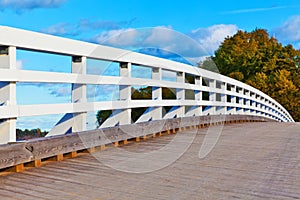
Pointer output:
13, 154
92, 150
38, 163
17, 153
35, 163
116, 144
60, 157
19, 167
72, 154
250, 161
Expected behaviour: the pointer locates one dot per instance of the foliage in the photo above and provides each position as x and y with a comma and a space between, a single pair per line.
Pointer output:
103, 115
136, 113
138, 94
30, 134
168, 93
208, 64
262, 62
190, 78
141, 93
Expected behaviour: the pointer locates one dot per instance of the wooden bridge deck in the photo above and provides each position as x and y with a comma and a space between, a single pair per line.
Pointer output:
250, 161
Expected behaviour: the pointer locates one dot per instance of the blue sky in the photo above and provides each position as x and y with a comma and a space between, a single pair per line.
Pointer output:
157, 27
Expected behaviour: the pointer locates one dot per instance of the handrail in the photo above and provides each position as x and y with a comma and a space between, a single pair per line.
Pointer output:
226, 95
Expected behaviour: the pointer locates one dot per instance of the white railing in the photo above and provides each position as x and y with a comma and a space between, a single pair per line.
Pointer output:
214, 94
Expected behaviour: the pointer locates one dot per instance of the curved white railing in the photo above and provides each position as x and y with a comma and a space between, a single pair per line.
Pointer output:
214, 94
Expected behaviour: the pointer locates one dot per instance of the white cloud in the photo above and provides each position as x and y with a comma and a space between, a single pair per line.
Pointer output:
60, 90
191, 46
160, 41
19, 5
19, 64
169, 75
118, 38
61, 29
210, 38
84, 26
102, 92
251, 10
289, 32
162, 38
57, 90
44, 122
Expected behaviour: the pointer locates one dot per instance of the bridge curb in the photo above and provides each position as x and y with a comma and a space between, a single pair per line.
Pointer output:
16, 157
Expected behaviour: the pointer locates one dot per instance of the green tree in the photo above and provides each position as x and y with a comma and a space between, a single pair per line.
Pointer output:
30, 134
141, 93
137, 94
208, 64
262, 62
102, 115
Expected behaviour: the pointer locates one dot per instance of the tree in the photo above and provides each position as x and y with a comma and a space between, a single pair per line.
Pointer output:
137, 94
141, 93
262, 62
30, 134
102, 115
208, 64
287, 91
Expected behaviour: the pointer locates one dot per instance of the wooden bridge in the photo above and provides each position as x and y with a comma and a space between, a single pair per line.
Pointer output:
199, 148
250, 161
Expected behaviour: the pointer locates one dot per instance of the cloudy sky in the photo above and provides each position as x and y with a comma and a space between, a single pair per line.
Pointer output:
191, 29
206, 22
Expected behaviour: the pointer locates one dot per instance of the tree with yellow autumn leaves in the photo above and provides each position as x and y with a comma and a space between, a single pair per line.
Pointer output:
262, 62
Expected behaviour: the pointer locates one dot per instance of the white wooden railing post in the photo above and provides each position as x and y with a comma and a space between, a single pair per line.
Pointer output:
198, 95
125, 94
223, 109
180, 94
154, 112
195, 110
157, 93
240, 100
8, 94
121, 116
233, 99
212, 96
79, 93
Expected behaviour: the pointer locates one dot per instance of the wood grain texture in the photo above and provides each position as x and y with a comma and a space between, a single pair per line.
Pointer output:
28, 151
250, 161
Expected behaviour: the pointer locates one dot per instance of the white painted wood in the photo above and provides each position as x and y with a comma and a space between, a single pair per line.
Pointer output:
8, 96
13, 38
79, 94
154, 113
